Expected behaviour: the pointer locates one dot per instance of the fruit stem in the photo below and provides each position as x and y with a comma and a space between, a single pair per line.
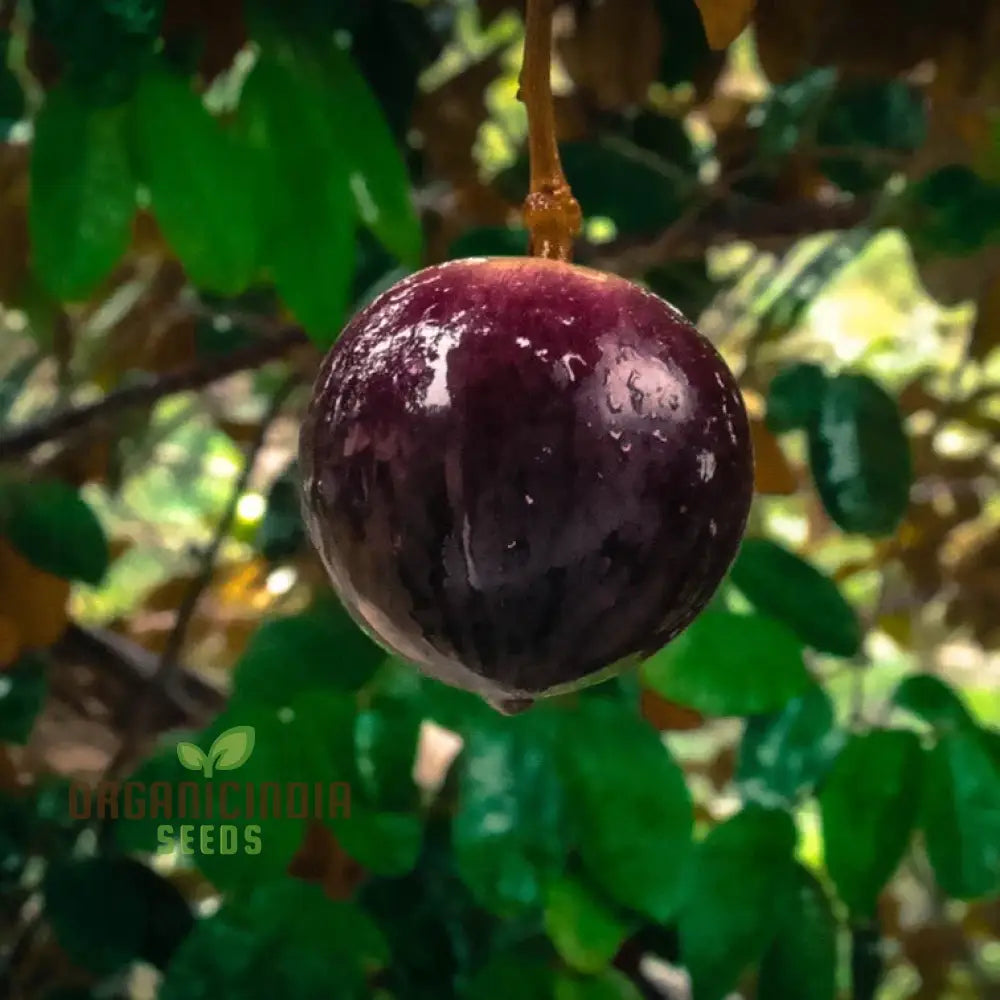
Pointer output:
551, 213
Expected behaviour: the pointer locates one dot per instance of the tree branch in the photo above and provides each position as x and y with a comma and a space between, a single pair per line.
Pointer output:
696, 232
169, 660
148, 392
190, 700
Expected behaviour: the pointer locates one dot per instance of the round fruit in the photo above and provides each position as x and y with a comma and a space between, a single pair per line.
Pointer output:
523, 475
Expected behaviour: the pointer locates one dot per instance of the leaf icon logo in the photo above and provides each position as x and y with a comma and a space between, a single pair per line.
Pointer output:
231, 749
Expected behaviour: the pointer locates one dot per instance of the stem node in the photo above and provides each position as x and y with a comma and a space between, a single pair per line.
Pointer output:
551, 214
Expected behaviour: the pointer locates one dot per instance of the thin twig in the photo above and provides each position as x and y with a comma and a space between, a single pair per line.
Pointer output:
170, 657
699, 229
147, 392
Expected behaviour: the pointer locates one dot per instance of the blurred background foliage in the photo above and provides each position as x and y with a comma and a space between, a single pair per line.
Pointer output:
799, 798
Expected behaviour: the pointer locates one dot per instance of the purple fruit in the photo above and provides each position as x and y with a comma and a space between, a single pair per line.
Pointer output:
523, 475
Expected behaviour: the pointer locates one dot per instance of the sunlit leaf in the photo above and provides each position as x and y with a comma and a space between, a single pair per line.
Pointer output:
585, 929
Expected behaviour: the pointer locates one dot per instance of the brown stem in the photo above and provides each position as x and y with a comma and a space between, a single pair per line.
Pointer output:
148, 391
551, 213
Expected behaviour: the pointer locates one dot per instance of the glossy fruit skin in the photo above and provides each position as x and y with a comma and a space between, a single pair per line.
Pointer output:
523, 475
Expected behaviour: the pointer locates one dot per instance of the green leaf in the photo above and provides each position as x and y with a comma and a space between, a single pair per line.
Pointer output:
54, 529
385, 740
378, 175
191, 757
309, 236
793, 108
610, 984
780, 584
738, 889
961, 815
281, 533
585, 930
384, 843
934, 701
730, 664
801, 963
16, 829
508, 975
376, 172
434, 928
100, 48
317, 650
392, 46
300, 914
287, 939
82, 194
953, 212
202, 183
629, 797
232, 748
23, 688
785, 754
869, 805
509, 831
168, 916
860, 457
793, 397
864, 115
300, 766
107, 912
